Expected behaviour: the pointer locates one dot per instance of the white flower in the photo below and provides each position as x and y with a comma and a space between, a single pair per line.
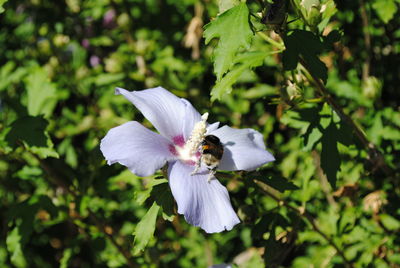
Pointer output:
204, 203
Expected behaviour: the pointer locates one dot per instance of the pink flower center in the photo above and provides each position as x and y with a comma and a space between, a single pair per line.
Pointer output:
179, 140
179, 149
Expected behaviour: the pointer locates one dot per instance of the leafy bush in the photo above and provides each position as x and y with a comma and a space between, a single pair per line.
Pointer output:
318, 78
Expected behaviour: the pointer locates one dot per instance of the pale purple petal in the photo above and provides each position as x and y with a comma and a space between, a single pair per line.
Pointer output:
170, 115
212, 127
244, 149
137, 148
192, 116
204, 204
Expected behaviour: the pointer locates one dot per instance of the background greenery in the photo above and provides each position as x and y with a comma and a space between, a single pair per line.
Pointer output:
323, 89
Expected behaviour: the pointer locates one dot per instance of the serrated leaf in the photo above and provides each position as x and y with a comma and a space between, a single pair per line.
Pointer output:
233, 30
224, 5
385, 9
330, 157
41, 93
305, 44
313, 132
145, 228
243, 62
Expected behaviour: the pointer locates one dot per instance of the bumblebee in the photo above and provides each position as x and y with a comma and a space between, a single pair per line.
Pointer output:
211, 151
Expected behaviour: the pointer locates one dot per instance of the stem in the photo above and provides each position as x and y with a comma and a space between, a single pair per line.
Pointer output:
276, 44
303, 214
375, 156
367, 41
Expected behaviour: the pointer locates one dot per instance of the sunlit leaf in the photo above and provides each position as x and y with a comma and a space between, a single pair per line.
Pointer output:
67, 254
390, 222
2, 2
385, 9
233, 30
243, 62
15, 248
41, 93
9, 74
145, 228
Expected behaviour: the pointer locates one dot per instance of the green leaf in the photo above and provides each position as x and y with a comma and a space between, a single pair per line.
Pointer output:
333, 37
162, 195
224, 5
233, 30
263, 225
106, 79
330, 158
385, 9
313, 133
15, 248
67, 254
2, 2
274, 251
305, 44
30, 129
390, 222
142, 195
243, 62
41, 93
10, 75
145, 229
279, 183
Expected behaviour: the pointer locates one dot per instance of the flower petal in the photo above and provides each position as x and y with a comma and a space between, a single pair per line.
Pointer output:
191, 117
170, 115
244, 149
136, 147
204, 204
212, 127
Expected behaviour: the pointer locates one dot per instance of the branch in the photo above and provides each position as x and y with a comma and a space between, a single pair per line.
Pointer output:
304, 214
375, 156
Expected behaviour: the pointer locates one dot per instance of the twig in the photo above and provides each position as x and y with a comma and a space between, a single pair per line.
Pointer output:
303, 214
375, 156
268, 39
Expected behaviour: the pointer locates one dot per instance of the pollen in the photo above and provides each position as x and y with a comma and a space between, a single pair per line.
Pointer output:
198, 133
189, 152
